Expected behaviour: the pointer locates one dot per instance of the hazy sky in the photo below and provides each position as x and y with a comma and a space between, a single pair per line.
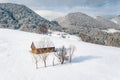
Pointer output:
96, 7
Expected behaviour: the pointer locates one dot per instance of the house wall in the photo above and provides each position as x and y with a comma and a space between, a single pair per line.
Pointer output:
34, 50
43, 50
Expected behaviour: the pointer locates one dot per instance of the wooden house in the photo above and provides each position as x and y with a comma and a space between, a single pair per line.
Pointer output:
41, 48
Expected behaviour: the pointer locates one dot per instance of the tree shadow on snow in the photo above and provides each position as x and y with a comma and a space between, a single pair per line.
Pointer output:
84, 58
74, 60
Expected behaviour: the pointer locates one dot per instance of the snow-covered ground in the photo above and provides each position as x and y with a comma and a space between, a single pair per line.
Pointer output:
111, 30
113, 20
90, 61
64, 35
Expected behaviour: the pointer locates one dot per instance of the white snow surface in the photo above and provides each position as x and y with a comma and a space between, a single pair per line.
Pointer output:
90, 61
113, 20
111, 31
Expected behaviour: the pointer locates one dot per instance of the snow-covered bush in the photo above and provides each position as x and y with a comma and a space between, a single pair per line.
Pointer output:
61, 54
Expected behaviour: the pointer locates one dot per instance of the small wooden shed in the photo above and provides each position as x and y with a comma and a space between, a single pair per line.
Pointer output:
42, 47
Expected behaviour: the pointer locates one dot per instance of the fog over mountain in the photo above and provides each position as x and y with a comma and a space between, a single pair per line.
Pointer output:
50, 15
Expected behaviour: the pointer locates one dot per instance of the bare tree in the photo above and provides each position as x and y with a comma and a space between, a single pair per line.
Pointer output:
44, 58
45, 47
43, 29
45, 43
53, 61
36, 58
71, 52
62, 55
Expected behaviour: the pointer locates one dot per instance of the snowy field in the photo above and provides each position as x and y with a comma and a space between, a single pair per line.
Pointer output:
111, 31
90, 61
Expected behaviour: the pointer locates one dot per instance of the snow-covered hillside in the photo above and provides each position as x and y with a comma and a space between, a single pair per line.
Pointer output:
90, 61
111, 30
116, 20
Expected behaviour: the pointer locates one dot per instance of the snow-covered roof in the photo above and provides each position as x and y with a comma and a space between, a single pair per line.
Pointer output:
43, 43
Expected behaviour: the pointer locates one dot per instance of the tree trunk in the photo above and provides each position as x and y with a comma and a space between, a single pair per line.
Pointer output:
53, 61
45, 63
62, 61
36, 65
70, 59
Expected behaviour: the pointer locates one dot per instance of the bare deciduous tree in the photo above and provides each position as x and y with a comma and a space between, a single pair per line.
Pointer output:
42, 52
44, 58
62, 55
43, 28
53, 61
71, 52
46, 43
36, 58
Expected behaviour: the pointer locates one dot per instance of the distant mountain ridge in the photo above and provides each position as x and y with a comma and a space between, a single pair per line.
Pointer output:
107, 22
116, 20
17, 16
78, 19
90, 29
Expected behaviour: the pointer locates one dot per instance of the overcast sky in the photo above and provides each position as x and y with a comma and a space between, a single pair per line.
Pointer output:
97, 7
